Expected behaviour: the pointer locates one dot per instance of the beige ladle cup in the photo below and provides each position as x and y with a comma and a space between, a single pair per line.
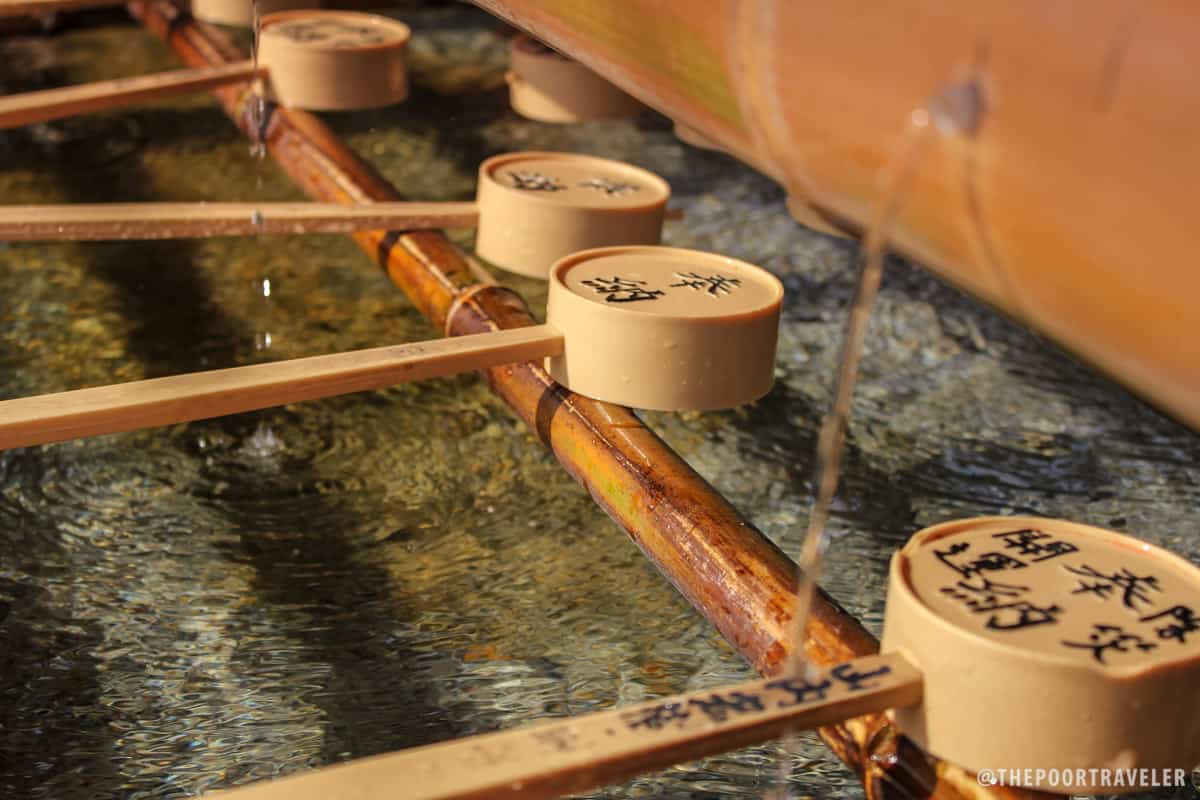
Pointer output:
315, 60
548, 87
240, 13
531, 209
1038, 653
650, 327
224, 12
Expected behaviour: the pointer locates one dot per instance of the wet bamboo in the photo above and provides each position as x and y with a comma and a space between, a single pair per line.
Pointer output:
729, 571
29, 107
115, 221
1068, 206
173, 399
42, 8
531, 763
21, 8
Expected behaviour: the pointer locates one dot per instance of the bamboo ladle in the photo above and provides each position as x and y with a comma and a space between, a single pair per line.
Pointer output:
315, 60
1079, 646
531, 209
651, 327
548, 87
27, 108
34, 8
230, 12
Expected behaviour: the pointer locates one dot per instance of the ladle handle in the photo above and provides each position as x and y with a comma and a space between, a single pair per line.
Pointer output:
584, 752
50, 104
201, 395
34, 8
79, 222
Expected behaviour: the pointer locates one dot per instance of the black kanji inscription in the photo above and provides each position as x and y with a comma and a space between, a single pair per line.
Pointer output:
1104, 638
655, 718
971, 567
718, 707
610, 187
1035, 544
713, 285
1133, 588
535, 181
855, 680
802, 691
1180, 621
1003, 602
622, 290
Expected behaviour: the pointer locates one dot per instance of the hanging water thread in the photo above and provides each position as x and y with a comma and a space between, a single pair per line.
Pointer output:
955, 111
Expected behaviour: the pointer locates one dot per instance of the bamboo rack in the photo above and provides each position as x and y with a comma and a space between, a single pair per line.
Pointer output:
684, 527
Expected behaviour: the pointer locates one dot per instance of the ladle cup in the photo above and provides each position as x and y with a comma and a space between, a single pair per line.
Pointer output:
650, 327
531, 209
1065, 655
308, 59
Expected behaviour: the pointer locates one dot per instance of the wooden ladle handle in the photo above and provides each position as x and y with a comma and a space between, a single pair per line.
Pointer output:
51, 104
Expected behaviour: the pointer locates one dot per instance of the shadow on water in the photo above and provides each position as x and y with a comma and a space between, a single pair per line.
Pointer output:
60, 738
319, 579
966, 472
870, 497
980, 476
313, 582
48, 674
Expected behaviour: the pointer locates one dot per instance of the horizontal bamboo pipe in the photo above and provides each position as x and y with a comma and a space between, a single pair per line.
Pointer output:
579, 753
729, 571
1069, 204
79, 222
50, 104
202, 395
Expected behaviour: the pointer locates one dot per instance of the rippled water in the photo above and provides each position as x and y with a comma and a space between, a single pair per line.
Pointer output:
224, 601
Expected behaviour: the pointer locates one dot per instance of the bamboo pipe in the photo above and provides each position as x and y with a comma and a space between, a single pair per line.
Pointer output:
105, 221
686, 529
1067, 207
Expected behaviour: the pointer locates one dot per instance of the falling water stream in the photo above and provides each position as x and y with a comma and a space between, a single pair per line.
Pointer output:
954, 112
264, 441
257, 104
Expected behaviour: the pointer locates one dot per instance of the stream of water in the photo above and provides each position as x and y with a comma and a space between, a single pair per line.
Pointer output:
953, 113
